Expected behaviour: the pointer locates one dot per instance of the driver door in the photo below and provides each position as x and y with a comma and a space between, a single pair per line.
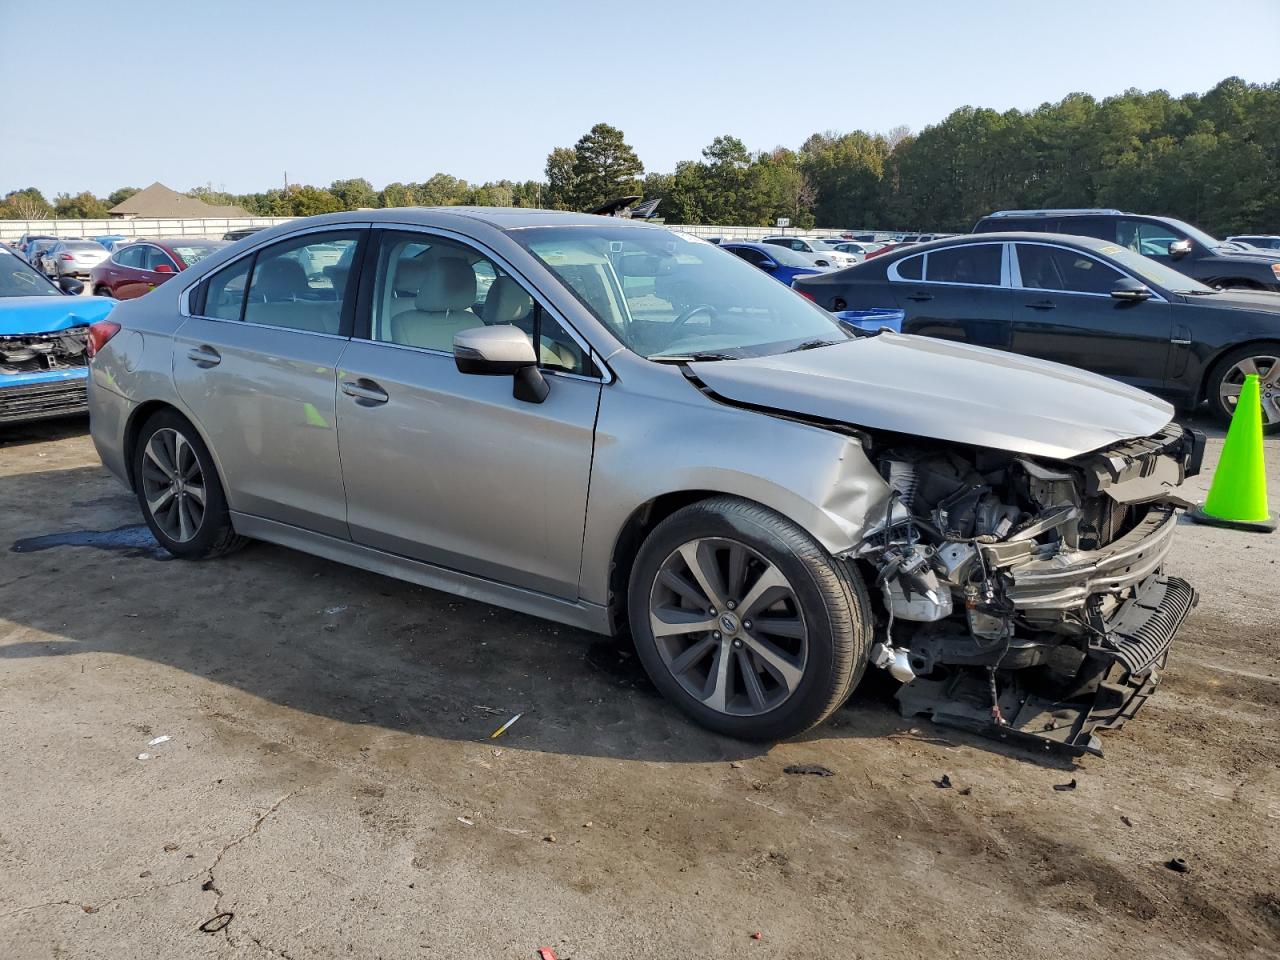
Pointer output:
451, 468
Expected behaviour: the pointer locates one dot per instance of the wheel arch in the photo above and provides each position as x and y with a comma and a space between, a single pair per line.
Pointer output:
138, 419
1211, 364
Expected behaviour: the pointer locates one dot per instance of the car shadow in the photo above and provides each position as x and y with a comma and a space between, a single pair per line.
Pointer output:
355, 647
43, 431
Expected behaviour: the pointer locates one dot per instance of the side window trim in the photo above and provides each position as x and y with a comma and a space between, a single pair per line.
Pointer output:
956, 283
1016, 275
192, 299
363, 327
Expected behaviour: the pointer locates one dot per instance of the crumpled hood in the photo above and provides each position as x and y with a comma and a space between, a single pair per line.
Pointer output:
944, 390
19, 315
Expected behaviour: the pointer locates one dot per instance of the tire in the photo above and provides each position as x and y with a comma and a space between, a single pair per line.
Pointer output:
177, 524
1227, 374
103, 292
803, 672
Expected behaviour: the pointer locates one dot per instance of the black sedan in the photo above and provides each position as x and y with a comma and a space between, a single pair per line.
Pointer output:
1083, 302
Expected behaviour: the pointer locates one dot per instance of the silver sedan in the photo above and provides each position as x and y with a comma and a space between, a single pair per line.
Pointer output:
627, 429
72, 258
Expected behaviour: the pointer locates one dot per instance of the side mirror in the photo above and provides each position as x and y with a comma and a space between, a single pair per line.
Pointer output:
1127, 288
70, 285
163, 268
1179, 248
767, 265
501, 350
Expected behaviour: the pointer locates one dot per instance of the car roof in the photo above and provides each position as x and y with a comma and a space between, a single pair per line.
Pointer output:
1004, 236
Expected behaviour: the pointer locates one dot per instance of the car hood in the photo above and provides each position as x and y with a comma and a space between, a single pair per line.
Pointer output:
20, 315
944, 390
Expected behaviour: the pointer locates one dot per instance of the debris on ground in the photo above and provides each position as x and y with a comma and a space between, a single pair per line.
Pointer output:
546, 953
1066, 786
809, 769
550, 838
735, 765
503, 729
944, 783
217, 923
333, 611
170, 847
965, 791
144, 756
159, 740
757, 935
1177, 865
1126, 821
467, 820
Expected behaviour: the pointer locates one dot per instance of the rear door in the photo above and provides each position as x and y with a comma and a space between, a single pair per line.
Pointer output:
256, 366
129, 278
1064, 311
955, 293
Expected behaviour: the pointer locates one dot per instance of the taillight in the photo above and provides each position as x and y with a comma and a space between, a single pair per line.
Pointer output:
99, 334
65, 256
805, 294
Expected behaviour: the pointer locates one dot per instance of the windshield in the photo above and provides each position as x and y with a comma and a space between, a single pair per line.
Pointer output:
193, 253
820, 245
18, 279
1196, 234
668, 295
787, 257
1153, 271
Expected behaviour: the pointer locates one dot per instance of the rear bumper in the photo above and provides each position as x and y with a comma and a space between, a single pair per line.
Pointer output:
39, 398
1121, 671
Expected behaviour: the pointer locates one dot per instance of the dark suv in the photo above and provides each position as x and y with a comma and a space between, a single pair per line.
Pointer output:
1174, 243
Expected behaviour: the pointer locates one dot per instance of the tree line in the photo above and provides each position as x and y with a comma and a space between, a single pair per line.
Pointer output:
1212, 159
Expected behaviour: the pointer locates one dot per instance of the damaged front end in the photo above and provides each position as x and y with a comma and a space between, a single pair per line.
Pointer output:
43, 374
1025, 598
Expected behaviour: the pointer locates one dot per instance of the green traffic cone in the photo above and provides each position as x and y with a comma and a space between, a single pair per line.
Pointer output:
1238, 495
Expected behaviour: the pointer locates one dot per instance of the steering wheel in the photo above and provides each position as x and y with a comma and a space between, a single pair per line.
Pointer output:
692, 311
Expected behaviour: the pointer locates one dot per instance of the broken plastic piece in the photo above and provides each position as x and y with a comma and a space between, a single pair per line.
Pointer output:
144, 756
812, 769
1070, 785
1177, 865
158, 740
546, 953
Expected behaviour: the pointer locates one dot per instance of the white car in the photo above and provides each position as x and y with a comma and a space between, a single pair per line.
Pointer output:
823, 253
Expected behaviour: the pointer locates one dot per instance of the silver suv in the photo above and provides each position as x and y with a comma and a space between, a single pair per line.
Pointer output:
627, 429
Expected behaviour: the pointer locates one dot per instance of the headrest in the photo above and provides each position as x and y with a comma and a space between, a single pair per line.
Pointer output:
449, 284
281, 279
409, 275
507, 302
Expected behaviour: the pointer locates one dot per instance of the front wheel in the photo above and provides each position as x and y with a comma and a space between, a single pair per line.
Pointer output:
179, 491
1228, 378
745, 622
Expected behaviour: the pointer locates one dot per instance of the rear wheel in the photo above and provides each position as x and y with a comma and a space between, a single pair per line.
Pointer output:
179, 491
101, 292
1228, 377
745, 622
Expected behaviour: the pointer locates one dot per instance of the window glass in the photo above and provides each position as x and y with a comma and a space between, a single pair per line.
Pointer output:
130, 256
224, 291
153, 257
1154, 239
430, 288
300, 283
667, 294
1054, 268
966, 263
911, 268
17, 279
753, 257
195, 251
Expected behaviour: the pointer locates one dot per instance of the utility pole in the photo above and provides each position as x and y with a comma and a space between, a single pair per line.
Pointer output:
286, 181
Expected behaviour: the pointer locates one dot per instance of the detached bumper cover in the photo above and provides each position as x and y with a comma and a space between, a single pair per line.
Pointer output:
37, 396
1126, 666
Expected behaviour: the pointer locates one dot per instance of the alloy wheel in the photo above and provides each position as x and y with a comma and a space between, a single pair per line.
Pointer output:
173, 484
1268, 371
728, 626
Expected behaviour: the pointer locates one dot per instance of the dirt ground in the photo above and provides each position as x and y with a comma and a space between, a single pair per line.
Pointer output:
329, 787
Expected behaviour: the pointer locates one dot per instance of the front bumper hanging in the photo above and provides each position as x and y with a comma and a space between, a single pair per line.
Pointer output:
1126, 661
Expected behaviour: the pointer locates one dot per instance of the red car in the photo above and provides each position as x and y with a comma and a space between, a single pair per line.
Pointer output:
136, 268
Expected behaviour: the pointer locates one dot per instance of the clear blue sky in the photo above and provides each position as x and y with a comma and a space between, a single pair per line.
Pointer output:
235, 93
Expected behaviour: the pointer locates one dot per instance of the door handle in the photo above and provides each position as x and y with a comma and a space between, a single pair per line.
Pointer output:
920, 297
1043, 305
366, 392
204, 356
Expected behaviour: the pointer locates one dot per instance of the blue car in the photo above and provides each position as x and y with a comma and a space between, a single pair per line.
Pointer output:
781, 263
44, 329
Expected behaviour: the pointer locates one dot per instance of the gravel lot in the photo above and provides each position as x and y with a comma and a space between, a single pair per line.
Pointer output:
329, 780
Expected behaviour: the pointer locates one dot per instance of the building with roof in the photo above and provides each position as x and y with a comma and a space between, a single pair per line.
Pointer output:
158, 202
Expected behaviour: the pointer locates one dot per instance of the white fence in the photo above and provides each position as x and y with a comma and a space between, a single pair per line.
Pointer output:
214, 228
